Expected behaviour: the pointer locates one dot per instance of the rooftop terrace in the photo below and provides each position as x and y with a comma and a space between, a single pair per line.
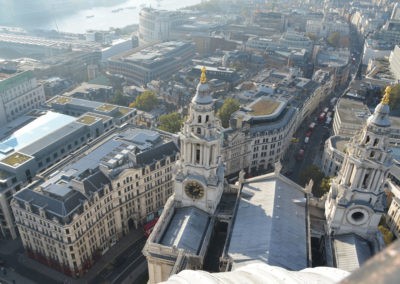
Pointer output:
106, 107
87, 119
60, 100
264, 107
15, 159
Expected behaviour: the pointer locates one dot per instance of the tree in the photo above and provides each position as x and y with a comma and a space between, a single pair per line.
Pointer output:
171, 122
312, 172
230, 106
146, 101
325, 185
386, 233
312, 36
119, 99
394, 101
334, 39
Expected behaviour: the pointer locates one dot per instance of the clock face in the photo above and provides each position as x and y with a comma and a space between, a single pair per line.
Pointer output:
194, 189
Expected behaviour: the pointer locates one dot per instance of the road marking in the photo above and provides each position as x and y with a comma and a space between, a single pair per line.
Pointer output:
123, 271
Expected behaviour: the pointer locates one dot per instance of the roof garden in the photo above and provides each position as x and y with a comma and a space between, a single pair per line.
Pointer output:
106, 107
15, 159
61, 100
122, 111
264, 107
87, 119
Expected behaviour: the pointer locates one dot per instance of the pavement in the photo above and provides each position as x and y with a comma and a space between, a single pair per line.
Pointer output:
13, 249
9, 276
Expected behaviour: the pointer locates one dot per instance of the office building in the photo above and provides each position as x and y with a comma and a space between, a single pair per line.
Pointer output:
78, 212
19, 93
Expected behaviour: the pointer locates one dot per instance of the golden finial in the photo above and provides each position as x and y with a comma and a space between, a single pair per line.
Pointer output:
203, 78
386, 96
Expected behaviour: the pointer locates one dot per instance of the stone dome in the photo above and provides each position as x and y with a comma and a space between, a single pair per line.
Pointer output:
380, 117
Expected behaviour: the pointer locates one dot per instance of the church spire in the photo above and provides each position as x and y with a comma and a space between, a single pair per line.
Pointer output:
356, 200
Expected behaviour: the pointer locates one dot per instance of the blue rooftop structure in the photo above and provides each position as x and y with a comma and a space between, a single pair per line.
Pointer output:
34, 131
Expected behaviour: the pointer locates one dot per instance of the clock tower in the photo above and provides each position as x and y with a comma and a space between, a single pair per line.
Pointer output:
200, 172
356, 200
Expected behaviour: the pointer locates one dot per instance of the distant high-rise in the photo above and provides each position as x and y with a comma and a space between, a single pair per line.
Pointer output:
18, 95
157, 25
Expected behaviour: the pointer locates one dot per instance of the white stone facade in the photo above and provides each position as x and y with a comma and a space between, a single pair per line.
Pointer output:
356, 200
394, 61
18, 95
109, 202
199, 184
157, 25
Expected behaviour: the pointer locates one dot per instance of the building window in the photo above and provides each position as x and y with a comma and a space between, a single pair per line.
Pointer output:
197, 155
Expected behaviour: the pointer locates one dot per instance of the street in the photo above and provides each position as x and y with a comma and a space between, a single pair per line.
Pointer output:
293, 165
115, 266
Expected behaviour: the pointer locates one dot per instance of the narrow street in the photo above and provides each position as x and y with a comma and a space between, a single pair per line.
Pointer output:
294, 165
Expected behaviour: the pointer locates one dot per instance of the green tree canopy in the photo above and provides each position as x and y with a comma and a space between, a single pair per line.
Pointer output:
394, 101
334, 39
171, 122
313, 172
119, 99
230, 106
311, 36
146, 101
387, 234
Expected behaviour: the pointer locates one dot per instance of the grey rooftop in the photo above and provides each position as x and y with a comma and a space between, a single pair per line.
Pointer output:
270, 224
350, 252
186, 229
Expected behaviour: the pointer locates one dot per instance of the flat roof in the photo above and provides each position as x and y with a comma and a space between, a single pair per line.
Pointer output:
39, 128
270, 224
339, 142
88, 119
352, 111
15, 159
106, 107
265, 107
187, 229
350, 252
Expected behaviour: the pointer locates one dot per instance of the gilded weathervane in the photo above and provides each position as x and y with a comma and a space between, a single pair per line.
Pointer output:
203, 78
386, 97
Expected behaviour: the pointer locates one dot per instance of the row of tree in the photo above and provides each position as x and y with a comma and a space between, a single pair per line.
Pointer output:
172, 122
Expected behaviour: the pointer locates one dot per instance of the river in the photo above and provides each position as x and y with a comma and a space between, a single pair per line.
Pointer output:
103, 18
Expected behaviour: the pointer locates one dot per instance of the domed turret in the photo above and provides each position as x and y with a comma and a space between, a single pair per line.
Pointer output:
380, 117
202, 96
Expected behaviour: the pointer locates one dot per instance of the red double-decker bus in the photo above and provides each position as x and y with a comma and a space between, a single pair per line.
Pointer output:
148, 227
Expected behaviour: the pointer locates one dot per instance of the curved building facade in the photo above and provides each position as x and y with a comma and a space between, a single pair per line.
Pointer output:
156, 25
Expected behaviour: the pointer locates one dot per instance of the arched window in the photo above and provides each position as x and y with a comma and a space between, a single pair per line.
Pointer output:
207, 118
376, 141
199, 119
